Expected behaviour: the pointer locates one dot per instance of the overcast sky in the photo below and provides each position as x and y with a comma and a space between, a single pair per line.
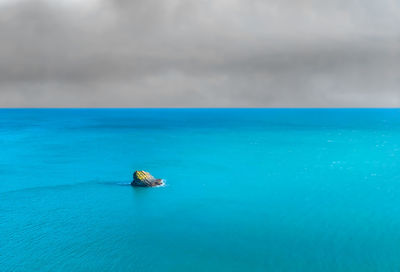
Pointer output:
200, 53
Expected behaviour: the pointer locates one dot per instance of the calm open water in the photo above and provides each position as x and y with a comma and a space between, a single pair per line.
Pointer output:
247, 190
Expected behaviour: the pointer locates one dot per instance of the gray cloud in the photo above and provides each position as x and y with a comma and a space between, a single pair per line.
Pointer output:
175, 53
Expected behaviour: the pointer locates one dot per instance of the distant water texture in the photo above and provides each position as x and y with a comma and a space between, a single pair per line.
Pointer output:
246, 190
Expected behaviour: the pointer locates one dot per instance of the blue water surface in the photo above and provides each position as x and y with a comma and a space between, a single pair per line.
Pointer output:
246, 190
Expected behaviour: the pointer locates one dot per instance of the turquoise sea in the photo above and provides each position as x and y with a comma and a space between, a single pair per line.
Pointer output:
246, 190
